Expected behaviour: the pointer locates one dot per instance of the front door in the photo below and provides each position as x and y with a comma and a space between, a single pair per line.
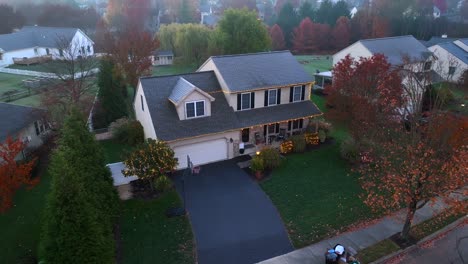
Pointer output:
245, 135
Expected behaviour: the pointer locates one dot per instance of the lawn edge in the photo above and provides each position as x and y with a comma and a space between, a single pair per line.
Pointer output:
434, 235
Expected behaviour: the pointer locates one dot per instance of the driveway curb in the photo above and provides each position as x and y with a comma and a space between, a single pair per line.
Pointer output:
422, 241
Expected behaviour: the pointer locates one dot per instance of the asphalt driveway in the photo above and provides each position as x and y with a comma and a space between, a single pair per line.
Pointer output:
232, 218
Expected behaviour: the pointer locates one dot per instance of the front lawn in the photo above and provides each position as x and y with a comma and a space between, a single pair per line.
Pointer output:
148, 236
20, 226
316, 194
12, 82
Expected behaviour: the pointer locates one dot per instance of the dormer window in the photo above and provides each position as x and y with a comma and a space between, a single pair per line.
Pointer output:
195, 109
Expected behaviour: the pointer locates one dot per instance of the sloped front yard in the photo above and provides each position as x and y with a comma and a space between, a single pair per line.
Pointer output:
316, 195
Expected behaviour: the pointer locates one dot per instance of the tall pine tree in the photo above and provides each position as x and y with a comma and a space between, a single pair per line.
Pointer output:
82, 204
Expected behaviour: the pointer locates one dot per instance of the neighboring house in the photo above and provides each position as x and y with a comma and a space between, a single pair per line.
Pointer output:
162, 57
414, 61
437, 40
33, 42
210, 20
452, 58
23, 122
232, 105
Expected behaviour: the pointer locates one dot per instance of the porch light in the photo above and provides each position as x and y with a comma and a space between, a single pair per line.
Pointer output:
258, 153
462, 105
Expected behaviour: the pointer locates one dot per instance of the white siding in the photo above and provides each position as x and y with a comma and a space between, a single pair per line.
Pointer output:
194, 96
143, 114
356, 51
445, 60
7, 58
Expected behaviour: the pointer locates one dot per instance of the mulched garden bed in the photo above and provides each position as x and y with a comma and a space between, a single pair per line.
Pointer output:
266, 174
141, 189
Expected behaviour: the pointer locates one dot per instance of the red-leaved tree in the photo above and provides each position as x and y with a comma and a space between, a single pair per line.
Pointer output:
304, 37
131, 51
407, 159
364, 93
13, 174
341, 33
277, 38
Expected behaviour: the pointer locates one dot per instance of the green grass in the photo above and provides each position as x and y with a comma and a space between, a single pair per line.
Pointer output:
113, 150
433, 225
33, 100
173, 69
20, 226
379, 250
12, 82
316, 194
148, 236
312, 63
320, 102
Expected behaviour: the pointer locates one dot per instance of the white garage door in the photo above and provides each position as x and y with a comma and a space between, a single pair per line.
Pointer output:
202, 153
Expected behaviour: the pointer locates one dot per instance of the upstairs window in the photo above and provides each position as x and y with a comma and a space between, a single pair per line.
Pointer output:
61, 52
272, 97
427, 65
452, 70
297, 93
245, 101
195, 109
89, 49
47, 51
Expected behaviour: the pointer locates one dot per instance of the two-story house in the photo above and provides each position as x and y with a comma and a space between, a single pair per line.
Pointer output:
232, 105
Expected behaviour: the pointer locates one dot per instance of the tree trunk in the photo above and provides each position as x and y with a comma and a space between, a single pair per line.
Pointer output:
409, 219
151, 184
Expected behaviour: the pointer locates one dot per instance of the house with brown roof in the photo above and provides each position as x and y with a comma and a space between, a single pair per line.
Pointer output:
232, 105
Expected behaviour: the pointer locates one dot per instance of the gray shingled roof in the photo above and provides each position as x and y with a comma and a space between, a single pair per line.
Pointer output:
436, 40
260, 70
168, 127
456, 51
13, 118
33, 36
164, 53
181, 90
395, 48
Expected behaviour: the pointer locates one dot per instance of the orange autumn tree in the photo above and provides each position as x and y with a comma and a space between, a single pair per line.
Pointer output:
411, 158
13, 174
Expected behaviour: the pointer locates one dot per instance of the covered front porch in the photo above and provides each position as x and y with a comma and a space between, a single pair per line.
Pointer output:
255, 138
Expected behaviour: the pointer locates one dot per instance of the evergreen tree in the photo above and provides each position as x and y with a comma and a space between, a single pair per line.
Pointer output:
185, 12
82, 205
307, 10
111, 92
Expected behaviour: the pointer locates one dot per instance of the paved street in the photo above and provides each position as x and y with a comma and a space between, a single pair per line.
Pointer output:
450, 249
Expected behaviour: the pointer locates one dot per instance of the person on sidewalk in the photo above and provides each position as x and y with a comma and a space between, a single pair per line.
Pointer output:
340, 251
331, 257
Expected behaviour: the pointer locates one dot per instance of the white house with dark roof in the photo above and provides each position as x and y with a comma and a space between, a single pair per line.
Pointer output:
33, 42
232, 105
413, 60
23, 122
452, 57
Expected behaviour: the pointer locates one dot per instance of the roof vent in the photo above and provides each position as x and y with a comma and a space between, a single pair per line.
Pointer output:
444, 36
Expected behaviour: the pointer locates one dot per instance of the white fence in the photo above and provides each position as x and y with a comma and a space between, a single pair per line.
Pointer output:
43, 74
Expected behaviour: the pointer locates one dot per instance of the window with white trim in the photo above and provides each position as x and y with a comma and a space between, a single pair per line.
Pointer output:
195, 109
297, 93
296, 124
271, 129
272, 94
427, 65
245, 101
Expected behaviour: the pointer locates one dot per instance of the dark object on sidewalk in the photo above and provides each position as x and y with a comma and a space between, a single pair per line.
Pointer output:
331, 257
175, 211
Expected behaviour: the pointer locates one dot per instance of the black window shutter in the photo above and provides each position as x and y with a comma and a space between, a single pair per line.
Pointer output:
301, 123
266, 98
252, 100
278, 97
291, 91
289, 125
303, 93
277, 128
264, 130
36, 126
238, 101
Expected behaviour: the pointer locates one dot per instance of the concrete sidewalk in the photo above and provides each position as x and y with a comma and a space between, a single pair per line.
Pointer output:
358, 239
